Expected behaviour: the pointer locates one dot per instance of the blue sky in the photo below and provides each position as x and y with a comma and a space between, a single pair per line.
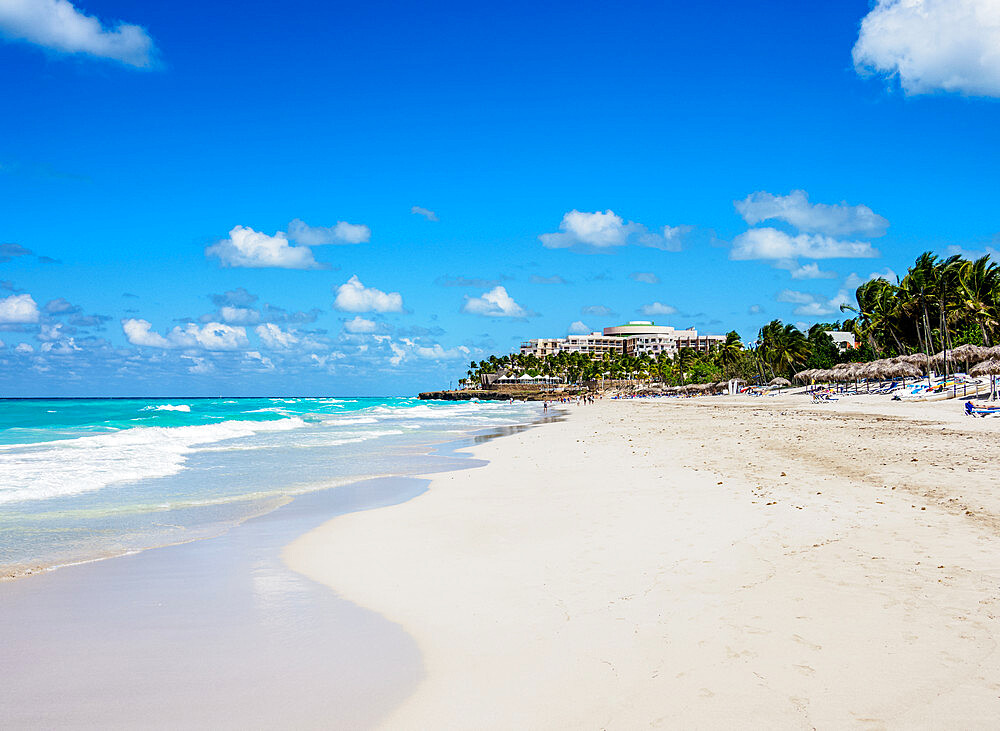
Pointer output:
323, 198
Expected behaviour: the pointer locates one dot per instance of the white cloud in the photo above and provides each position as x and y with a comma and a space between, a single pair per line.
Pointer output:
353, 296
274, 337
605, 230
436, 352
770, 243
554, 279
799, 298
495, 303
138, 332
811, 305
199, 365
57, 25
670, 238
18, 309
248, 248
579, 328
342, 233
359, 325
24, 348
795, 209
598, 311
239, 315
807, 271
52, 332
933, 45
754, 310
853, 281
425, 212
658, 308
254, 355
644, 277
211, 336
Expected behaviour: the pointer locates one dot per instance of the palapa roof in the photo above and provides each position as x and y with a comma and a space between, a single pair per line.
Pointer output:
986, 368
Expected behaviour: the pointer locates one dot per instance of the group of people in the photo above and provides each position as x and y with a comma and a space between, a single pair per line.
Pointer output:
580, 399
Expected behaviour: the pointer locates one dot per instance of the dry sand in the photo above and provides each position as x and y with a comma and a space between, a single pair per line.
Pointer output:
705, 563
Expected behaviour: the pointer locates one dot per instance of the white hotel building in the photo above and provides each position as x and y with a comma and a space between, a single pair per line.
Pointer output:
633, 338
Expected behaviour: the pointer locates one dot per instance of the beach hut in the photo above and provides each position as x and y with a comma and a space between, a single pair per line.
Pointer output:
989, 368
780, 382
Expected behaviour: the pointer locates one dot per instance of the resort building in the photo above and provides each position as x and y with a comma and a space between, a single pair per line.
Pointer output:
843, 340
633, 338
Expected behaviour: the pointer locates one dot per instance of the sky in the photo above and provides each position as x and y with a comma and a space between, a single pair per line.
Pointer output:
359, 199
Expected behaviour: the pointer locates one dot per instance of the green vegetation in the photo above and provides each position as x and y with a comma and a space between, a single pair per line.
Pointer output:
939, 303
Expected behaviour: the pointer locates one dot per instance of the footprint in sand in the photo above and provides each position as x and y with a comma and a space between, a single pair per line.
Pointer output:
806, 642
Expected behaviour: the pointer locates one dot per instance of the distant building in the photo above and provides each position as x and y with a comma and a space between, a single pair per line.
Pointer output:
633, 338
843, 340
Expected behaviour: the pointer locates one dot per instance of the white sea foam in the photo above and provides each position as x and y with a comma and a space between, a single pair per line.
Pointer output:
167, 407
73, 466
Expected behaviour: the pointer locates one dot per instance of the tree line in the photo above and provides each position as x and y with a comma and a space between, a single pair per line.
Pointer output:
938, 304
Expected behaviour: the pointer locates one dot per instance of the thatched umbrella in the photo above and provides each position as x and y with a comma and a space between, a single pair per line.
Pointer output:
822, 375
987, 368
781, 382
902, 370
969, 354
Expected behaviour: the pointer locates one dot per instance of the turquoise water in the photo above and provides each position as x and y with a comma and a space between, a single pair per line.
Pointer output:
87, 478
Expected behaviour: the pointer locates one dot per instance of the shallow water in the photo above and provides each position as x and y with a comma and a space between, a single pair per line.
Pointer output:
216, 633
90, 478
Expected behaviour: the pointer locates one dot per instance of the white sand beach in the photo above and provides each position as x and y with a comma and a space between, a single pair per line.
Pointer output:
703, 563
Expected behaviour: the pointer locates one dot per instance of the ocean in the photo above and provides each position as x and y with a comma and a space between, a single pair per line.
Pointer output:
83, 479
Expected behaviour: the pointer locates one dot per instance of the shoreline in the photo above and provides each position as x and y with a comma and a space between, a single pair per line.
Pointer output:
190, 634
449, 449
703, 562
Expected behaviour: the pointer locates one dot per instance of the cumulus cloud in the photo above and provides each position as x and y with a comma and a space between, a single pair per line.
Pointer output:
274, 337
248, 248
495, 303
353, 296
359, 325
342, 233
644, 277
24, 348
18, 309
579, 327
59, 26
211, 336
425, 212
795, 209
933, 45
770, 243
597, 230
657, 308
